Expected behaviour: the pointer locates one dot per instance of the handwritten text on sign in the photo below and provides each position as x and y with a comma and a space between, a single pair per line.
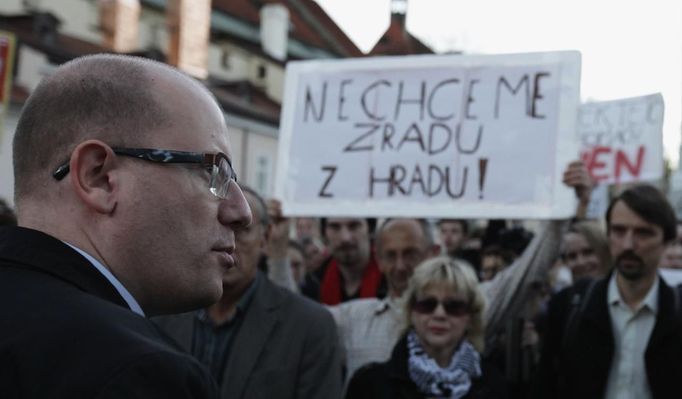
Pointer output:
399, 136
622, 140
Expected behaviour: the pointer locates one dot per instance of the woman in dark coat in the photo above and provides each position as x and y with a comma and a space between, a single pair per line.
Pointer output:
439, 355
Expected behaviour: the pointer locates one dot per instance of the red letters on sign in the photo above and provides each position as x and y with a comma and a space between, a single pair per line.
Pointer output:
594, 165
597, 161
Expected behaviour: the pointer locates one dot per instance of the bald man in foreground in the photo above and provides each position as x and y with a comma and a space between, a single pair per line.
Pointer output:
127, 205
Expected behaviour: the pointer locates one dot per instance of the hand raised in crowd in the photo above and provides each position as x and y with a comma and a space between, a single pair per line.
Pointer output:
278, 242
577, 176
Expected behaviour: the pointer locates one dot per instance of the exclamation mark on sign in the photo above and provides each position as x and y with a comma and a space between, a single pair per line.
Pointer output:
482, 167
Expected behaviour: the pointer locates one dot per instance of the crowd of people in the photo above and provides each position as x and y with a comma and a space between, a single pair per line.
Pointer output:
137, 266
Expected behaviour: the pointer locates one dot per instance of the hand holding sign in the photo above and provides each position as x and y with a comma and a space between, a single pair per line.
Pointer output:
577, 176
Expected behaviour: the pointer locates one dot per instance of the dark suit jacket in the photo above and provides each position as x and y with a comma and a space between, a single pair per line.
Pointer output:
579, 367
286, 347
65, 332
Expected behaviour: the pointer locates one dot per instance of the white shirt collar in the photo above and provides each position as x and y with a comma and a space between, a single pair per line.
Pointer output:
650, 300
387, 303
125, 294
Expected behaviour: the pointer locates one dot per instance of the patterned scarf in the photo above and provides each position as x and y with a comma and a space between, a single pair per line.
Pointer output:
452, 382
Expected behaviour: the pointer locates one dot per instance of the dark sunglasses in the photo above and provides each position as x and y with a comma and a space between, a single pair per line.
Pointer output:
452, 307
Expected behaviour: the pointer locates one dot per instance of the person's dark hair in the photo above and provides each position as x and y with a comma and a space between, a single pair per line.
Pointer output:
515, 240
496, 250
371, 225
305, 241
651, 205
263, 217
297, 246
7, 216
104, 96
462, 222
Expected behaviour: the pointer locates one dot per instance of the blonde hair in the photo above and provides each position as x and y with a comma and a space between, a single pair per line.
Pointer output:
597, 240
455, 274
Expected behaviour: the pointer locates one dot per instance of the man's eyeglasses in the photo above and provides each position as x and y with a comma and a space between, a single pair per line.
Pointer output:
452, 307
217, 164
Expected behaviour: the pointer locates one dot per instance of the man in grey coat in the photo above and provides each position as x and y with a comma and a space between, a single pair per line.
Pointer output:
260, 340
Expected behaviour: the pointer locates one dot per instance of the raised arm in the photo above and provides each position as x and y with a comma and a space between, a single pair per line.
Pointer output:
508, 292
577, 176
279, 267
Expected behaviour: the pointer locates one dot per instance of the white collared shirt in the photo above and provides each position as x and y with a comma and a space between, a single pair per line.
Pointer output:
631, 332
125, 294
368, 329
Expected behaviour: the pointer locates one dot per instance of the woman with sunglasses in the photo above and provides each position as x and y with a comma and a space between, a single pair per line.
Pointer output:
439, 354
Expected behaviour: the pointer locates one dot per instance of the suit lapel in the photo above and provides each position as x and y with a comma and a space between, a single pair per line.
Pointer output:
594, 344
597, 308
667, 321
250, 341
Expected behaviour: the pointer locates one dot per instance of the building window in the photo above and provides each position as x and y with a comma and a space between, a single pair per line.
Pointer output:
262, 71
262, 174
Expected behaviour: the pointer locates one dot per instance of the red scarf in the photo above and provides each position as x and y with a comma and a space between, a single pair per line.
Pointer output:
330, 289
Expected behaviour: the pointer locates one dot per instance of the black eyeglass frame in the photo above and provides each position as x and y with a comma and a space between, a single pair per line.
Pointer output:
210, 161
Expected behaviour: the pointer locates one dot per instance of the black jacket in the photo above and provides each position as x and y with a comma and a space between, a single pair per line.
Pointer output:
577, 364
391, 380
65, 332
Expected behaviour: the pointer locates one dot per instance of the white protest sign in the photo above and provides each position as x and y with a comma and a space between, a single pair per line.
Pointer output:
621, 141
429, 136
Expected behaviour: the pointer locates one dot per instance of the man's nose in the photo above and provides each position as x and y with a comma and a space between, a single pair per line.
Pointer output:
440, 311
580, 258
346, 234
234, 211
628, 240
400, 263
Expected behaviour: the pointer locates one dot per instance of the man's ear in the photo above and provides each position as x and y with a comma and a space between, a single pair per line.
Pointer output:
91, 164
434, 250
